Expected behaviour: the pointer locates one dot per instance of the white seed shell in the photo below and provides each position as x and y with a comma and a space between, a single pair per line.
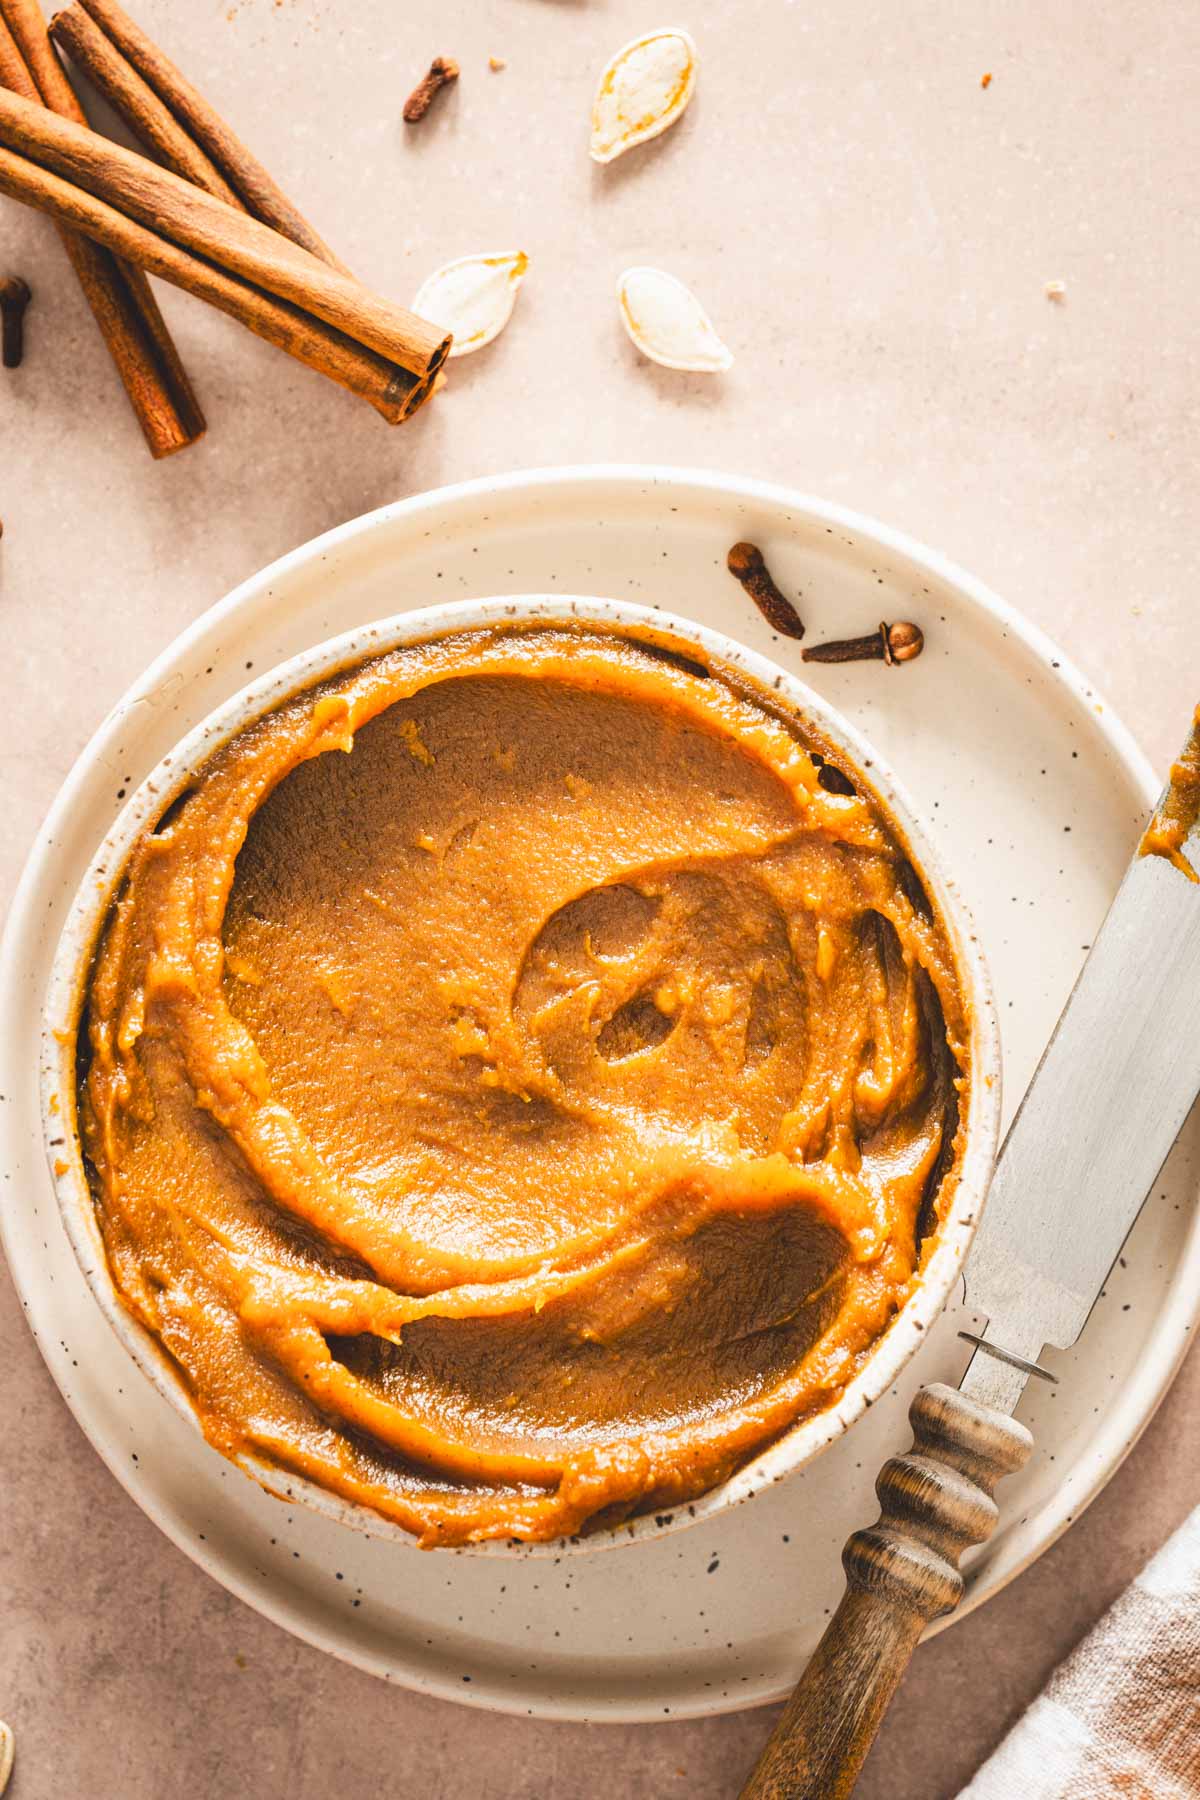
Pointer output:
473, 297
7, 1747
643, 90
668, 323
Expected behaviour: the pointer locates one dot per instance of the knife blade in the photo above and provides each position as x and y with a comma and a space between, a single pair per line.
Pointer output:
1105, 1105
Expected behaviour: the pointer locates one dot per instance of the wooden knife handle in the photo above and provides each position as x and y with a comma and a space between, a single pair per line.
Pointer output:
903, 1572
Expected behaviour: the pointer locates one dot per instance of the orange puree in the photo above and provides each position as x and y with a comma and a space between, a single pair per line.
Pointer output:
519, 1078
1177, 813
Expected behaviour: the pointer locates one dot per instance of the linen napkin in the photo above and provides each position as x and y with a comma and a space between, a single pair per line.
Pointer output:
1120, 1718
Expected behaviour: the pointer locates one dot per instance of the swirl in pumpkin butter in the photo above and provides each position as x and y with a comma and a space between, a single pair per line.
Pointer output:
520, 1077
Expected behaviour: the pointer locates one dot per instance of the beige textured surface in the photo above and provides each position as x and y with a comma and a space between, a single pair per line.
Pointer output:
871, 232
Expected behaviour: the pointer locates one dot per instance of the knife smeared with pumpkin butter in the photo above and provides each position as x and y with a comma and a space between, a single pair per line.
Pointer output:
517, 1077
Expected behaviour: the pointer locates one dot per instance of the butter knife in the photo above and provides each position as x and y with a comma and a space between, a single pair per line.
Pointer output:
1105, 1105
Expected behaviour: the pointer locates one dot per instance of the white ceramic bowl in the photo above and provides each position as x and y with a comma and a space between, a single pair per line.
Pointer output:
86, 917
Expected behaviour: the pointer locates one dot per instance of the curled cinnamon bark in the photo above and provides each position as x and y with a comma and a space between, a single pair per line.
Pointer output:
119, 295
173, 120
272, 285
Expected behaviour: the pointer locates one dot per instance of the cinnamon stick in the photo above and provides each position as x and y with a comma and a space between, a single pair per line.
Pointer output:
153, 124
259, 193
391, 390
236, 243
119, 296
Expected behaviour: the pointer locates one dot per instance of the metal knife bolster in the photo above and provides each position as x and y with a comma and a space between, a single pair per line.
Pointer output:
1105, 1105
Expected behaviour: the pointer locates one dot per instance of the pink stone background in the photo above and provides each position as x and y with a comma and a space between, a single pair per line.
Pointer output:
872, 232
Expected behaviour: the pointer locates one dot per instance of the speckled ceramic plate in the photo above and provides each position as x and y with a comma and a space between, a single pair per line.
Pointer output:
1033, 795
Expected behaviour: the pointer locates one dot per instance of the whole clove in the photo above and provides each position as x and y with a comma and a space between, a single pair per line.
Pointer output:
746, 564
14, 298
890, 644
443, 70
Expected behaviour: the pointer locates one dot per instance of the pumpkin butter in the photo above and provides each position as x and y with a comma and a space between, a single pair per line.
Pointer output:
1178, 811
517, 1079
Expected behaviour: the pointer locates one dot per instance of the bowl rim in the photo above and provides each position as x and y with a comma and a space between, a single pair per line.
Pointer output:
89, 906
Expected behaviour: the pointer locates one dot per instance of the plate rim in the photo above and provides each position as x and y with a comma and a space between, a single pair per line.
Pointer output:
1156, 1368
